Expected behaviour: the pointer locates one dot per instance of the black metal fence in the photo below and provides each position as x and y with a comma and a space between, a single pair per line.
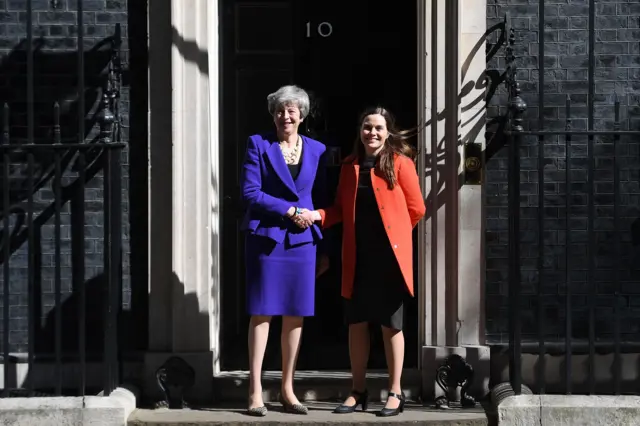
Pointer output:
46, 176
592, 149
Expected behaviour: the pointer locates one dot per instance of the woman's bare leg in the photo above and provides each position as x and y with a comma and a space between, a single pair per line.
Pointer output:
394, 352
258, 336
359, 356
290, 342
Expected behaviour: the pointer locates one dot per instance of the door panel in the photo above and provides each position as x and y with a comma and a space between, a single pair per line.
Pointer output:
347, 58
252, 87
253, 84
257, 56
264, 28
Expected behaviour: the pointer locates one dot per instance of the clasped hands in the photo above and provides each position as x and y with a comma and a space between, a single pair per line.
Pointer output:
305, 218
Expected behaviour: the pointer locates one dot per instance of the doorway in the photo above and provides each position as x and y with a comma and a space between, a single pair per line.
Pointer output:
347, 58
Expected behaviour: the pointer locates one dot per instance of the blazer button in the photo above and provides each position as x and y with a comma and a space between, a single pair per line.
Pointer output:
395, 246
389, 227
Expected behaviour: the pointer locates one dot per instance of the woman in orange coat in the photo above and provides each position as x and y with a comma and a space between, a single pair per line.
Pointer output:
379, 202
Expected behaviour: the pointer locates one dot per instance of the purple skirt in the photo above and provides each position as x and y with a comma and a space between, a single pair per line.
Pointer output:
280, 277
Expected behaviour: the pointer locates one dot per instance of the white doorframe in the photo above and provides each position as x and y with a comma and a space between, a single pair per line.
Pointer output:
215, 189
421, 164
215, 195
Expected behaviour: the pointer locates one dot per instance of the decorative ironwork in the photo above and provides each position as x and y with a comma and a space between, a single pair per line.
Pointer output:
455, 373
108, 115
603, 130
57, 135
516, 108
43, 150
517, 105
174, 377
106, 118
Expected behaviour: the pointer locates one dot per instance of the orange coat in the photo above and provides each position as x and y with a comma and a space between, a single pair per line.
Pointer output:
401, 209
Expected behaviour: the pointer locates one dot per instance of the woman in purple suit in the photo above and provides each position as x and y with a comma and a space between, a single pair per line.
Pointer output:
282, 177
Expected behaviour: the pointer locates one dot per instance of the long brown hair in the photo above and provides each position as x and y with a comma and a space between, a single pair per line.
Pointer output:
396, 143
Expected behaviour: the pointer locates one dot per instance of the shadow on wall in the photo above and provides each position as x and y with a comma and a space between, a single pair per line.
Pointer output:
162, 37
490, 81
179, 323
188, 331
635, 225
55, 82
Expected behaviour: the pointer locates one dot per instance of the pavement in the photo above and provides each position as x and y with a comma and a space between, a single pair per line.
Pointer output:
319, 413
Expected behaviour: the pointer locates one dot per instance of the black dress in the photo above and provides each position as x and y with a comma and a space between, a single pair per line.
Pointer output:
379, 289
294, 169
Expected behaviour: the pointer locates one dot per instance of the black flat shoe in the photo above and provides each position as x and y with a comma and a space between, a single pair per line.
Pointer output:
362, 398
388, 412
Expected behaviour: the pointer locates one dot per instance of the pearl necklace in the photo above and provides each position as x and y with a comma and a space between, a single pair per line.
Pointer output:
291, 155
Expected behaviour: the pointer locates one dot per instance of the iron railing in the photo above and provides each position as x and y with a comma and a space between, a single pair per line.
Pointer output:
45, 178
604, 137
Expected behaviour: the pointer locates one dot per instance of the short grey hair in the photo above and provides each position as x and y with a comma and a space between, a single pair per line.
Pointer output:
289, 95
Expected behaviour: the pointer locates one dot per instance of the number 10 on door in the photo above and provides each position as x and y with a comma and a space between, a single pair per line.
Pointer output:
324, 29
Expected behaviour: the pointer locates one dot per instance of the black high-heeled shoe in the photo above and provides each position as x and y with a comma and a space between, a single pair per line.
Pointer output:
362, 398
388, 412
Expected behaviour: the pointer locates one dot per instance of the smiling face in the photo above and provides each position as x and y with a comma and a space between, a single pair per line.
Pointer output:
287, 119
373, 133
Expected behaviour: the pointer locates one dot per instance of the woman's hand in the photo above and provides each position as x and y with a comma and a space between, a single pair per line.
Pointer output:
299, 222
295, 218
304, 219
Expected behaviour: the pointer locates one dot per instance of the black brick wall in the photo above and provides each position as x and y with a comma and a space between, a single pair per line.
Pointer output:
55, 80
566, 73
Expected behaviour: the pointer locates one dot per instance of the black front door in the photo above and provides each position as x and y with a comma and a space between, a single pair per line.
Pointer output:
348, 56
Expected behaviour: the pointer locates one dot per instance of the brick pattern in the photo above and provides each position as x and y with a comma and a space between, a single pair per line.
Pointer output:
617, 74
55, 38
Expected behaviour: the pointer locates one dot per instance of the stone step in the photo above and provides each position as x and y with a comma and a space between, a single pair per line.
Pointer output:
233, 386
319, 413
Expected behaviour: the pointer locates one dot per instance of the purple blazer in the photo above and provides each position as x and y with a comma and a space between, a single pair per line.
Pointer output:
268, 189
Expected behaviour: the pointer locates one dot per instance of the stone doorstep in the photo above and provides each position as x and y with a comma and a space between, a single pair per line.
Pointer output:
112, 410
319, 413
584, 410
233, 386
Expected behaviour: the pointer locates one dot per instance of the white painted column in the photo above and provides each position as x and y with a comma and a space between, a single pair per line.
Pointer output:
435, 270
471, 254
184, 307
470, 320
